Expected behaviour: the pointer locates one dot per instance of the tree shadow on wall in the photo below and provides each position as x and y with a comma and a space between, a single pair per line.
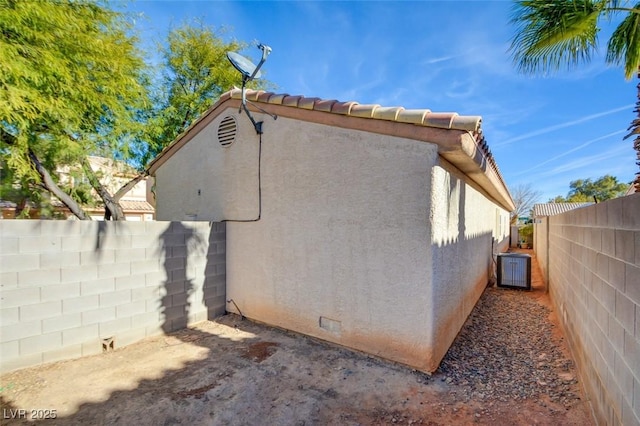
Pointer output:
178, 373
194, 262
192, 265
215, 280
176, 243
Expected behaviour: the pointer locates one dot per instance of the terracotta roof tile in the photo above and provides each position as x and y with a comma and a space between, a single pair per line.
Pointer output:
414, 116
343, 108
324, 105
264, 96
387, 113
291, 101
423, 117
252, 95
365, 111
307, 103
277, 98
441, 120
466, 122
132, 205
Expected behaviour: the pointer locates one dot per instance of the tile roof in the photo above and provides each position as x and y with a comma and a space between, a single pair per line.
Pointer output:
136, 206
421, 117
470, 154
552, 209
127, 205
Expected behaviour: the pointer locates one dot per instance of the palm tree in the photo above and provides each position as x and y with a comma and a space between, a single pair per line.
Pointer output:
553, 33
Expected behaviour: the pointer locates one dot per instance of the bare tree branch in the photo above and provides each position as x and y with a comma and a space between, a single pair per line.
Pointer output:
112, 210
129, 185
52, 187
524, 197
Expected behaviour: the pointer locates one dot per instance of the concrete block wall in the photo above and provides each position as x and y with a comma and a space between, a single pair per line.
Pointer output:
541, 244
592, 258
68, 286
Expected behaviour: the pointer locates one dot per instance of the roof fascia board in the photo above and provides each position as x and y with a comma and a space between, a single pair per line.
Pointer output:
195, 128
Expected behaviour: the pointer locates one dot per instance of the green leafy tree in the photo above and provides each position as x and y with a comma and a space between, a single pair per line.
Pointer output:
558, 199
554, 33
27, 196
16, 190
71, 85
196, 72
586, 190
76, 85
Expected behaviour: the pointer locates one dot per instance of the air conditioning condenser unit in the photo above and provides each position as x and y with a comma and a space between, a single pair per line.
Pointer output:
514, 270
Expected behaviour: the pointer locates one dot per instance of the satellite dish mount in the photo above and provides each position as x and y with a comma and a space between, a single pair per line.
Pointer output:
250, 71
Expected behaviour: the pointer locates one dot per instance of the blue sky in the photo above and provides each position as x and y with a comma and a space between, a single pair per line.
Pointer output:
440, 55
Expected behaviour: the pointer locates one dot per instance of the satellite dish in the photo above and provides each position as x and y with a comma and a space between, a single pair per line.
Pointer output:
243, 65
249, 72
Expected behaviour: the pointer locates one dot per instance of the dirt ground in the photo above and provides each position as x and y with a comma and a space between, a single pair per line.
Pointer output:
236, 372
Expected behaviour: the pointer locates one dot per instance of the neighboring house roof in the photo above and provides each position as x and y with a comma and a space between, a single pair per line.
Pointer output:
113, 174
459, 138
136, 206
129, 206
552, 209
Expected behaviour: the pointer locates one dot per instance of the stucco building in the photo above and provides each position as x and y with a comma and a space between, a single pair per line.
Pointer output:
368, 226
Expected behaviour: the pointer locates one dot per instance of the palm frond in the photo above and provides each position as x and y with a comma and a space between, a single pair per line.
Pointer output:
634, 130
624, 45
612, 7
552, 34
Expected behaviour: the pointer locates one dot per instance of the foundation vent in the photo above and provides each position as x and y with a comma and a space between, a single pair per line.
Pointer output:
108, 344
227, 131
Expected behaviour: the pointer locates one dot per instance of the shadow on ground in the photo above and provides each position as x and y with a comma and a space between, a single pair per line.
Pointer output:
230, 371
235, 372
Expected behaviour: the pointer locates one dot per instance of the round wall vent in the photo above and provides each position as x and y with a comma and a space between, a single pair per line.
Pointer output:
227, 131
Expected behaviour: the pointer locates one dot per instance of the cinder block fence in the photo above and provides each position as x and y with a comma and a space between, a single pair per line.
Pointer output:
592, 259
75, 288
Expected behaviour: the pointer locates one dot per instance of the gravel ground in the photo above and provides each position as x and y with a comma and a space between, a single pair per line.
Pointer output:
508, 350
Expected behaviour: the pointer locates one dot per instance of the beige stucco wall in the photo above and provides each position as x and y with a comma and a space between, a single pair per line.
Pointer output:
205, 181
467, 228
344, 250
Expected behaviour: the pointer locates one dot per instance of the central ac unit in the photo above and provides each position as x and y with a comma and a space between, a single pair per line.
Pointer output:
514, 270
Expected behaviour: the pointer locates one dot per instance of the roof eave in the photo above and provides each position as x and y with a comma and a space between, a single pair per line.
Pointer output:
459, 147
471, 160
188, 134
